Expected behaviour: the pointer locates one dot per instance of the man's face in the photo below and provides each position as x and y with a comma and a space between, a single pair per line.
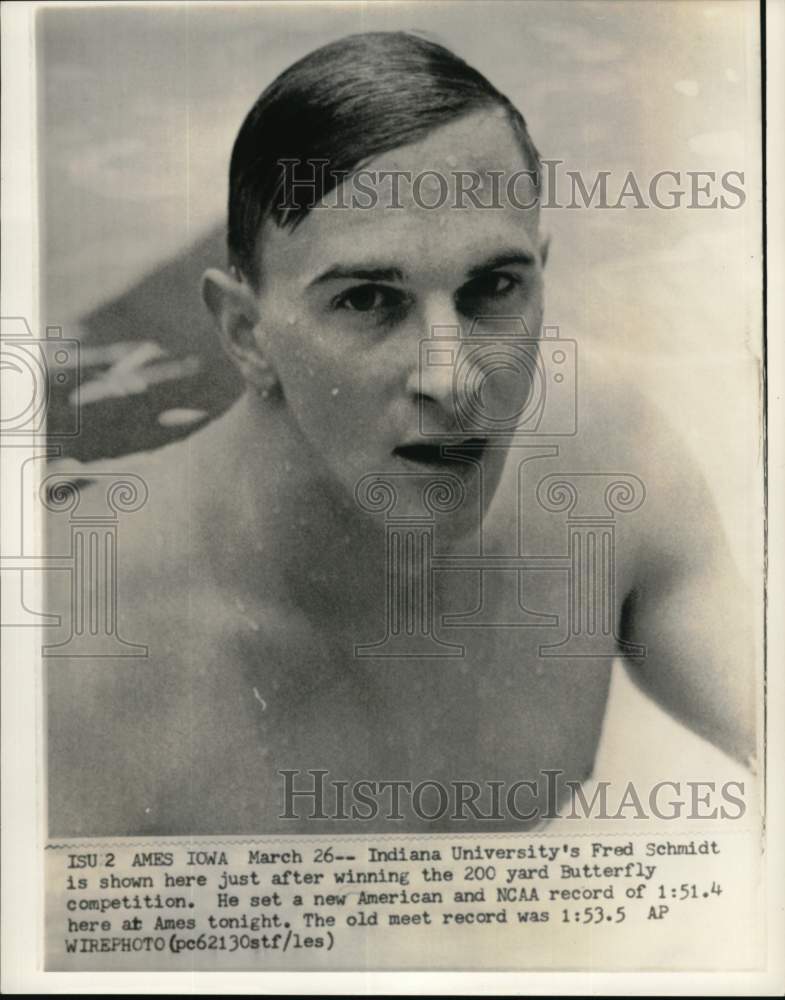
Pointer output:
350, 300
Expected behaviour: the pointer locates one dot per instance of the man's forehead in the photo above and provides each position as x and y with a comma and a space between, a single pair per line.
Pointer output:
481, 142
461, 193
415, 246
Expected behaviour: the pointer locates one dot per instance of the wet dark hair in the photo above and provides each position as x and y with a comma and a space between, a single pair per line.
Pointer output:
346, 103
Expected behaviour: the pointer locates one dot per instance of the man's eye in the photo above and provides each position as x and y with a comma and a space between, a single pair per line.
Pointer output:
368, 298
487, 286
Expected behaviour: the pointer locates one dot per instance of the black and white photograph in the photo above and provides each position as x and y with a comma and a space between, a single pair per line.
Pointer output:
386, 451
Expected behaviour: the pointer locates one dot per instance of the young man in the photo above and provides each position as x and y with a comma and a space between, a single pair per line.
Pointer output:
372, 214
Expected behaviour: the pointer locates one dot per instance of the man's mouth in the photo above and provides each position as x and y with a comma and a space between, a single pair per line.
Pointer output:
440, 454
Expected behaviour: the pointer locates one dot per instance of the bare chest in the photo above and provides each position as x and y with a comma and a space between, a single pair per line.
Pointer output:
489, 693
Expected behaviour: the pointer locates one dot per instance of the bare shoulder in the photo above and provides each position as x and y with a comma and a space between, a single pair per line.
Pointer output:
114, 665
618, 416
148, 670
686, 601
626, 427
630, 451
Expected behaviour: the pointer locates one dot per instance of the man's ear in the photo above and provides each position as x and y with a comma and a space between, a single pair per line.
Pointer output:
545, 245
234, 308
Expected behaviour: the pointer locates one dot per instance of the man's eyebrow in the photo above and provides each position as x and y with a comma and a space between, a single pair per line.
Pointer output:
361, 272
503, 259
371, 272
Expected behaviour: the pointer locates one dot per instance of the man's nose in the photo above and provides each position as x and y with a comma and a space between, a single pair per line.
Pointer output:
431, 379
